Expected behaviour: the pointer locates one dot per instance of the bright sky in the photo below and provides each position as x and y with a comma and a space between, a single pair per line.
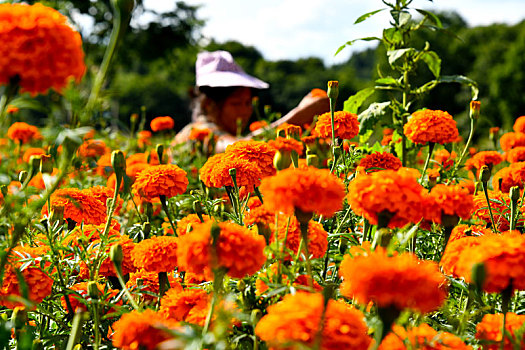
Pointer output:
291, 29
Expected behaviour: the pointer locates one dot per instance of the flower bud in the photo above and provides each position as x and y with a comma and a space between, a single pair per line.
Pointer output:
233, 175
333, 89
146, 228
255, 316
197, 208
484, 174
160, 152
34, 164
116, 254
22, 176
118, 162
479, 274
92, 290
282, 160
312, 160
514, 194
241, 286
475, 107
46, 164
19, 317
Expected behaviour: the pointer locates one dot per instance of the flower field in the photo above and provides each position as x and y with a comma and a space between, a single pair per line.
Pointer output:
370, 228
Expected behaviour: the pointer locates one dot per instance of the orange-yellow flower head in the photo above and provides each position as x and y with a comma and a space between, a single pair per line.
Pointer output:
156, 254
160, 180
422, 337
22, 132
451, 200
519, 124
239, 250
515, 155
401, 281
257, 152
488, 158
431, 126
511, 140
508, 177
92, 149
296, 320
380, 161
39, 47
187, 223
79, 206
346, 125
283, 144
150, 284
162, 123
397, 195
290, 229
216, 171
489, 330
190, 305
309, 190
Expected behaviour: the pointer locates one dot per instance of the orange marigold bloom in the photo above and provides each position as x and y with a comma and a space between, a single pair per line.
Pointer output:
79, 299
150, 284
500, 205
29, 33
156, 254
103, 193
488, 158
287, 145
32, 152
431, 126
445, 158
504, 259
22, 132
162, 123
190, 305
453, 251
511, 140
422, 337
318, 93
296, 320
200, 134
461, 231
310, 190
346, 125
489, 330
92, 149
397, 195
317, 236
256, 152
260, 214
451, 200
519, 124
401, 281
516, 154
380, 161
508, 177
79, 206
160, 180
239, 250
107, 267
216, 171
187, 223
259, 124
141, 330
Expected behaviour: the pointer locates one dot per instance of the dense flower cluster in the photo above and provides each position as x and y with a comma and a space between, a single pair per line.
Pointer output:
422, 337
452, 201
431, 126
156, 254
160, 180
346, 125
257, 152
216, 171
78, 205
380, 161
489, 330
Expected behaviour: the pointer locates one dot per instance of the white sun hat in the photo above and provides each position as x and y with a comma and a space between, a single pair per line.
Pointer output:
218, 69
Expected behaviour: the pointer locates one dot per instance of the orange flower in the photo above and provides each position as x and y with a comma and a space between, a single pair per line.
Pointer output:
445, 158
200, 134
489, 330
162, 123
92, 149
451, 200
12, 109
422, 337
461, 231
80, 298
286, 145
160, 180
258, 214
388, 135
103, 193
500, 205
310, 190
79, 206
296, 320
401, 281
107, 267
216, 171
150, 284
239, 250
503, 257
317, 236
104, 167
29, 33
259, 124
431, 126
22, 132
397, 195
141, 330
190, 305
516, 155
156, 254
256, 152
511, 140
508, 177
143, 138
380, 161
346, 125
32, 152
488, 158
187, 223
452, 253
519, 124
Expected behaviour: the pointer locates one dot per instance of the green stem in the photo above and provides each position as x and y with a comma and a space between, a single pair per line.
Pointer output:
218, 278
427, 161
76, 330
506, 295
164, 205
469, 140
304, 233
118, 269
406, 91
10, 91
485, 190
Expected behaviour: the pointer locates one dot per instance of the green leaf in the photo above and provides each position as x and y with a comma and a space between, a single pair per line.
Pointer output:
392, 36
433, 62
27, 103
462, 80
366, 15
376, 148
395, 55
387, 81
351, 42
369, 118
355, 101
432, 17
404, 18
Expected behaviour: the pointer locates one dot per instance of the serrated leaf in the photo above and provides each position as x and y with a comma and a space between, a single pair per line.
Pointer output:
351, 42
395, 55
355, 101
367, 15
433, 18
369, 118
433, 62
387, 81
462, 80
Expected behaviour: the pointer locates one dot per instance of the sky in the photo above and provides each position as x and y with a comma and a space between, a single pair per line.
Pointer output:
292, 29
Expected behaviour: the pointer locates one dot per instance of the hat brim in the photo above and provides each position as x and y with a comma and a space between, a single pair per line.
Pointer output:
229, 79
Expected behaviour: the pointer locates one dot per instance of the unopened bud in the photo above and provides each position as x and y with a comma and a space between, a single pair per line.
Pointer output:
479, 274
267, 109
46, 164
282, 160
19, 317
514, 194
197, 208
333, 89
312, 160
118, 162
92, 290
116, 254
241, 286
34, 164
160, 152
255, 316
22, 176
484, 174
475, 107
146, 228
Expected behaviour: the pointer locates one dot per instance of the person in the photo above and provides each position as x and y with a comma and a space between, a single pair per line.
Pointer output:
222, 100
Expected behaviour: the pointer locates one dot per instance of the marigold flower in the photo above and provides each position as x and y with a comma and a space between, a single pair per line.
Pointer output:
190, 305
162, 123
503, 257
317, 236
431, 126
453, 251
187, 223
489, 329
199, 134
511, 140
445, 158
239, 250
22, 132
500, 205
461, 231
422, 337
508, 177
29, 33
92, 149
32, 152
516, 154
401, 281
310, 190
256, 152
107, 267
287, 145
260, 214
150, 283
380, 161
103, 193
259, 124
397, 195
80, 298
160, 180
451, 200
216, 171
488, 158
79, 206
296, 320
141, 330
156, 254
346, 125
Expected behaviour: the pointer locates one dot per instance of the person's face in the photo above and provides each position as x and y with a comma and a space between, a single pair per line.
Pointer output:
237, 106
